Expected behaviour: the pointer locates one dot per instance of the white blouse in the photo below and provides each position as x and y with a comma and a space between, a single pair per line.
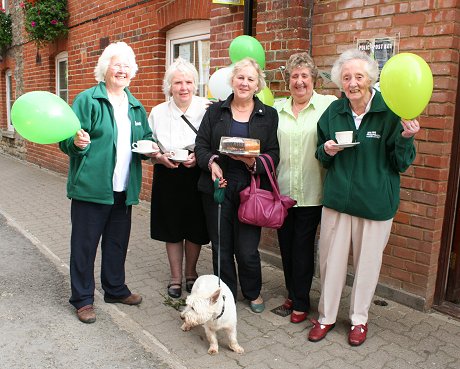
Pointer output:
170, 130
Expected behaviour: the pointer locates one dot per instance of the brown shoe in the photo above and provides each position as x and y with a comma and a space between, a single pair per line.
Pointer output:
86, 314
319, 331
133, 299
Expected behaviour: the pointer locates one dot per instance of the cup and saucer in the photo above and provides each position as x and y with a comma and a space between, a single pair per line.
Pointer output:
178, 155
344, 139
144, 147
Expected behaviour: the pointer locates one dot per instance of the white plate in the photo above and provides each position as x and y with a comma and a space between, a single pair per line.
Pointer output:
247, 154
178, 160
152, 151
344, 146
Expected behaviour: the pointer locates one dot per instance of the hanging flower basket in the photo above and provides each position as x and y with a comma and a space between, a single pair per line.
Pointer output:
6, 33
45, 20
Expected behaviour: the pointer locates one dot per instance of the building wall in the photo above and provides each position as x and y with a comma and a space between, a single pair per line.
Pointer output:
425, 27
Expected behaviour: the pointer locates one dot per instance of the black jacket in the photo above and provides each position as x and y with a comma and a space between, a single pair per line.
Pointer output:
263, 125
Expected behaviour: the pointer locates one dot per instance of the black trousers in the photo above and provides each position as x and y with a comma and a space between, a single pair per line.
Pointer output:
297, 245
90, 222
237, 241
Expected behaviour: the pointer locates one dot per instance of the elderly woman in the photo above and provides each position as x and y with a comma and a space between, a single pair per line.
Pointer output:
300, 176
104, 180
241, 115
361, 190
177, 216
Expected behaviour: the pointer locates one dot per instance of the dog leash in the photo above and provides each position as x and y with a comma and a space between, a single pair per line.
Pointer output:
219, 196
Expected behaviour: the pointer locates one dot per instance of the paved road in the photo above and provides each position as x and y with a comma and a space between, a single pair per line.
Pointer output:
36, 329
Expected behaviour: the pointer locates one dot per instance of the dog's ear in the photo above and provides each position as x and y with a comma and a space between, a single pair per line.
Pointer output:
214, 296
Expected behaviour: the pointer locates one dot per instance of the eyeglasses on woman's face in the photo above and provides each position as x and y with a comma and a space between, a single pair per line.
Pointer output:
119, 66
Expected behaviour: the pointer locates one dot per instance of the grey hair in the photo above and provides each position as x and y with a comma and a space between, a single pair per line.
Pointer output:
372, 67
183, 66
114, 49
246, 62
300, 60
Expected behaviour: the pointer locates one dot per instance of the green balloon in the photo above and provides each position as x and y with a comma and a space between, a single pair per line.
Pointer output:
406, 83
43, 117
266, 96
247, 46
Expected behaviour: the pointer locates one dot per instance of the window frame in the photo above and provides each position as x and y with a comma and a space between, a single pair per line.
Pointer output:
61, 57
193, 31
9, 98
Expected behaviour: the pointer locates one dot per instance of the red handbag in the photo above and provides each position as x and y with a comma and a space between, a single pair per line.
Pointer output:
261, 207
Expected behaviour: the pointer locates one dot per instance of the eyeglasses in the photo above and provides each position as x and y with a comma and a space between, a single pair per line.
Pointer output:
120, 66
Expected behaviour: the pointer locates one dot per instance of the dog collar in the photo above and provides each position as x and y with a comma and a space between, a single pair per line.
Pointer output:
223, 309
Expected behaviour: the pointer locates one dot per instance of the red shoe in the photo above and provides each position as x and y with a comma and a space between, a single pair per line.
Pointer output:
287, 304
319, 331
298, 318
357, 334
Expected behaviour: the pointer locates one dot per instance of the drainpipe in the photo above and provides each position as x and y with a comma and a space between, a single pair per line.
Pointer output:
247, 22
310, 25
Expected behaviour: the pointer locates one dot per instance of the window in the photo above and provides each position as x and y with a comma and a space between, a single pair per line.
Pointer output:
61, 76
191, 42
9, 98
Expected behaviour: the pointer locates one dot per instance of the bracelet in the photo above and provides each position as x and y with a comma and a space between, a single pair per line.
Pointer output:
211, 160
253, 168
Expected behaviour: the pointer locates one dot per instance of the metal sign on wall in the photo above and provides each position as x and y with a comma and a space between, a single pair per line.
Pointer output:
229, 2
381, 48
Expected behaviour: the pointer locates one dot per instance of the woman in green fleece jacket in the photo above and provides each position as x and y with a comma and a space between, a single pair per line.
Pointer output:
104, 180
361, 190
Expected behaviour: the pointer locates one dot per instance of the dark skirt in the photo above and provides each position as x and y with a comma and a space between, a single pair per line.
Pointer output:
176, 208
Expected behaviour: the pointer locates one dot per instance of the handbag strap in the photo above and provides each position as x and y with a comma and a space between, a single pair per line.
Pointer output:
189, 124
267, 160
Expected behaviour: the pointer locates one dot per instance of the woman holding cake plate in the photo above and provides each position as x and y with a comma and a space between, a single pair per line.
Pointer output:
242, 115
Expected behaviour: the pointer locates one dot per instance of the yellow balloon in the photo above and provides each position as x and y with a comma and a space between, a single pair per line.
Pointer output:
406, 83
266, 96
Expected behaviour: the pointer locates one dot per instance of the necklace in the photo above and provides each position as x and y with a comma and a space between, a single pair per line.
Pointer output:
117, 100
241, 111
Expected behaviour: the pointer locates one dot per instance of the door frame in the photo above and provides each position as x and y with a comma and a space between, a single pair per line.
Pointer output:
448, 227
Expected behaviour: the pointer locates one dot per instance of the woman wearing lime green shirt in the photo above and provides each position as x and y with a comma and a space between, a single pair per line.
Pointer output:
300, 176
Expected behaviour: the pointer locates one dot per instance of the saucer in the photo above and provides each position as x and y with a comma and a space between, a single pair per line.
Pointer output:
178, 160
344, 146
152, 151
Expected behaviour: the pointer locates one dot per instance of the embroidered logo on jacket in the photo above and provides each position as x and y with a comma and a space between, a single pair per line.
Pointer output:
372, 134
136, 123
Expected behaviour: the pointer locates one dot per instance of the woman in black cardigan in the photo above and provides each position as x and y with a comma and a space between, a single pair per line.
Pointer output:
241, 115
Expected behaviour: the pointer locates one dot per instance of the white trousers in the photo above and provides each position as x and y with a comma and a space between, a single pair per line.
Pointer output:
368, 238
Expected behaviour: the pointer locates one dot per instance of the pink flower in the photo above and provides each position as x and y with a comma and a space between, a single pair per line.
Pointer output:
54, 22
22, 5
33, 24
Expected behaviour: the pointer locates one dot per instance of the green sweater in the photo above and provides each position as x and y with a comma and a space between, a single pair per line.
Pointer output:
91, 169
364, 180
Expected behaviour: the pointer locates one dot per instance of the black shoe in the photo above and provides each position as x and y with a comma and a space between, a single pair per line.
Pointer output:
175, 292
189, 282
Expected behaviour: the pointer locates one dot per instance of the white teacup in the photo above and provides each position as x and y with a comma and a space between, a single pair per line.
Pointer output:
344, 137
143, 145
179, 154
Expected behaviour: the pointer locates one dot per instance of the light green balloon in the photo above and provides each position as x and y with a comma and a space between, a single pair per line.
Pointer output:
43, 117
406, 83
247, 46
266, 96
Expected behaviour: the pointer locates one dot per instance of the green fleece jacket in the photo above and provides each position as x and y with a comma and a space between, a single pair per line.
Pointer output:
364, 180
91, 169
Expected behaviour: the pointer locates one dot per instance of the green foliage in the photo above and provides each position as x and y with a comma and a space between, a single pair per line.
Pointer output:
6, 33
45, 20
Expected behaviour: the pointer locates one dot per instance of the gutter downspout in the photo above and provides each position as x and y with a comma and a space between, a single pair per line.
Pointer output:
247, 22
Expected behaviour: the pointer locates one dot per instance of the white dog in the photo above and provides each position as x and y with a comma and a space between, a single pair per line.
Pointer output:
214, 308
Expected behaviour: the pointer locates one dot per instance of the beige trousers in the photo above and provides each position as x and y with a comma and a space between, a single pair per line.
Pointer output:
368, 238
